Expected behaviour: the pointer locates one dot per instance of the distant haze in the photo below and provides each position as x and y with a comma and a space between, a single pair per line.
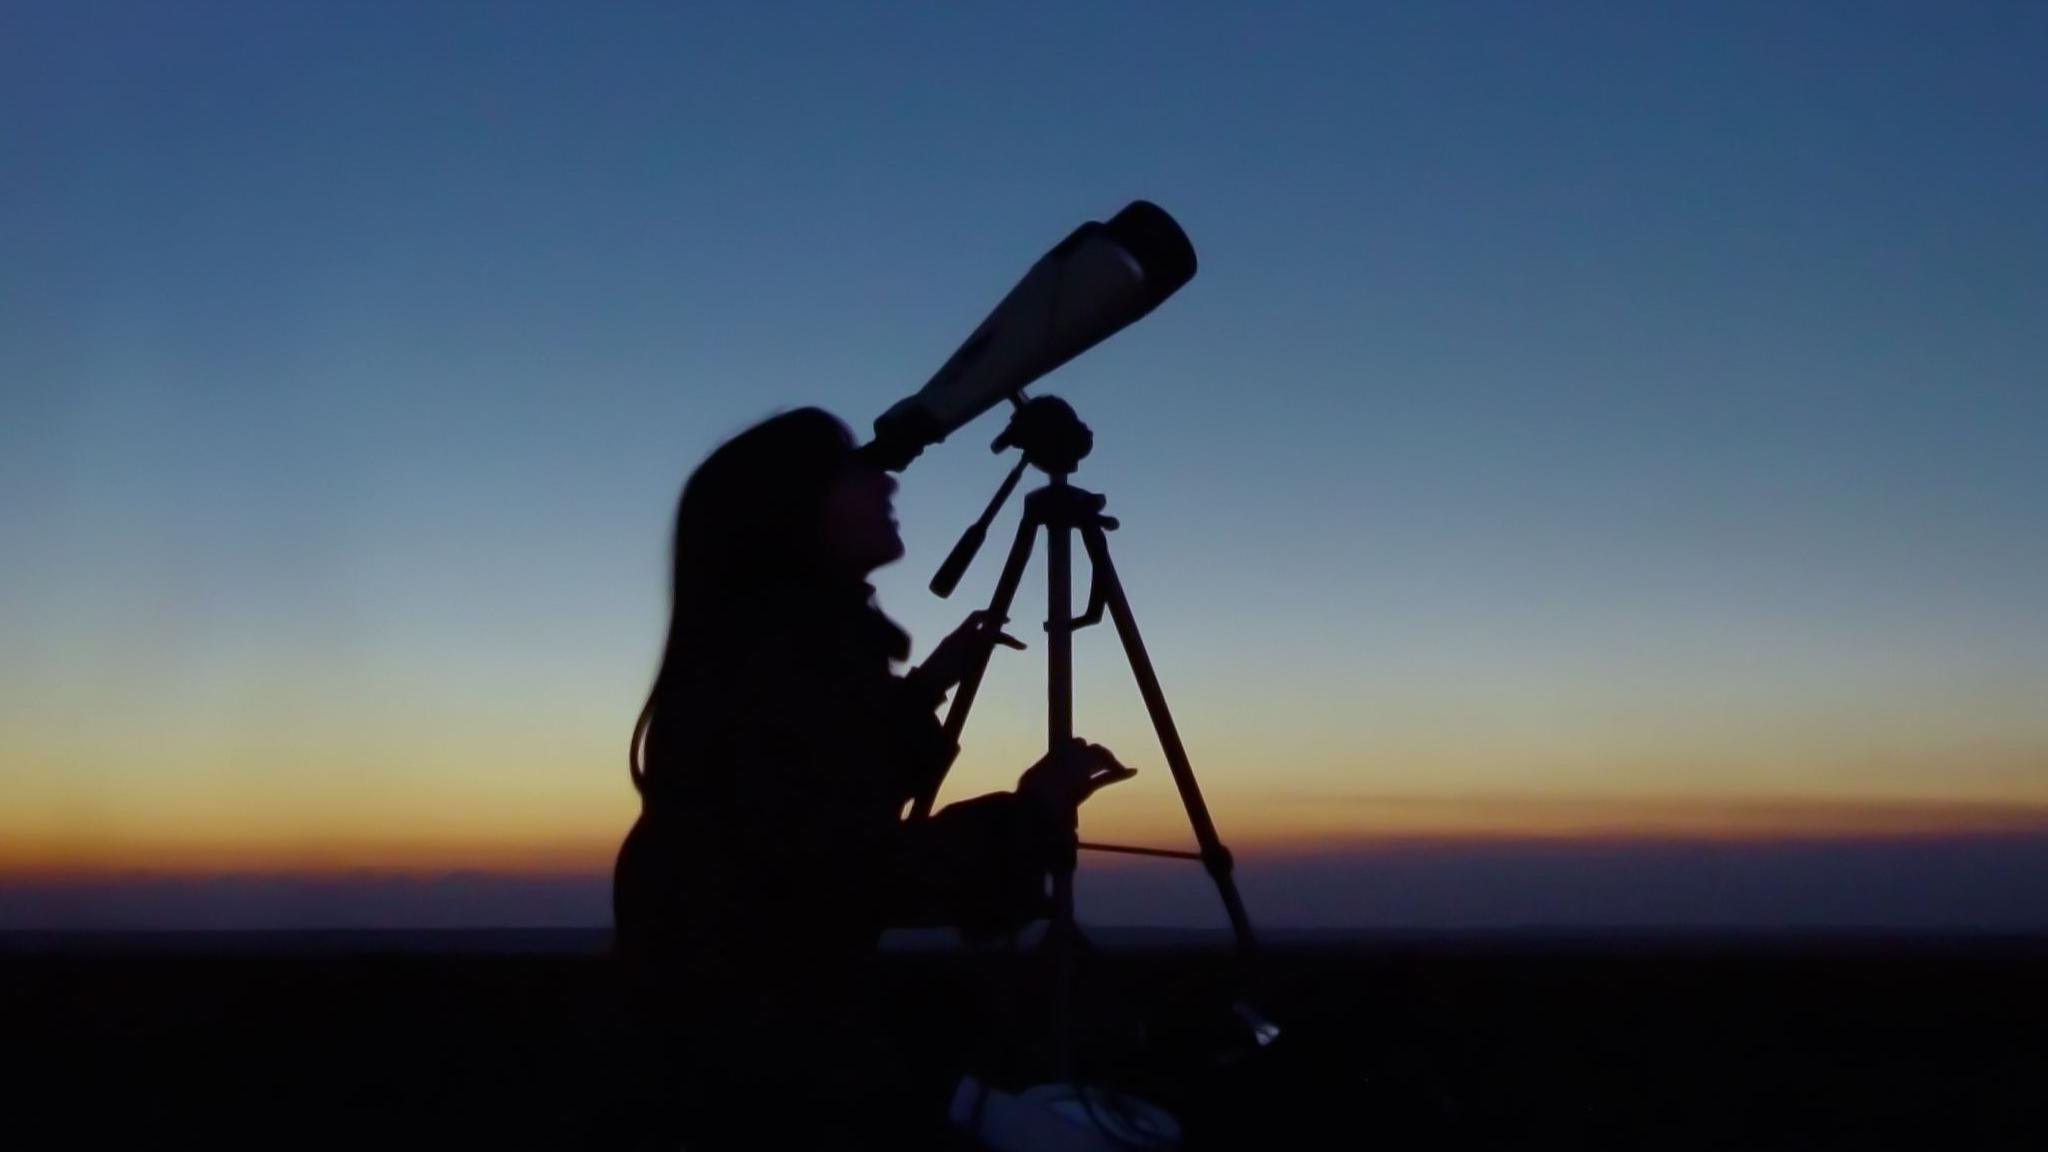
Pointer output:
1974, 884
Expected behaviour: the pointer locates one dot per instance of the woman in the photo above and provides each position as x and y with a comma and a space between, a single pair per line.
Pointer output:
774, 759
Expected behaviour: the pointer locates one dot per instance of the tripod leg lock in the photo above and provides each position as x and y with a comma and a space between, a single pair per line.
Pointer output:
1098, 602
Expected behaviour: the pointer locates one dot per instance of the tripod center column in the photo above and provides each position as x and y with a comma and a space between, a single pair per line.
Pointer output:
1059, 714
1059, 626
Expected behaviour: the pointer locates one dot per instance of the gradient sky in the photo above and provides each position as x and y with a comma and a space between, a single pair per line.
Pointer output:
1588, 422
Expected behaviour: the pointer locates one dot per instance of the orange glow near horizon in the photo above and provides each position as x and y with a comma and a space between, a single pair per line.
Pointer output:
405, 777
1280, 830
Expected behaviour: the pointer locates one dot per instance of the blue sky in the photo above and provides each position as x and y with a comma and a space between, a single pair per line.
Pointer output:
1575, 400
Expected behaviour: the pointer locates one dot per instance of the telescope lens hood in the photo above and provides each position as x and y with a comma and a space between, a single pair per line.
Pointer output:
1157, 243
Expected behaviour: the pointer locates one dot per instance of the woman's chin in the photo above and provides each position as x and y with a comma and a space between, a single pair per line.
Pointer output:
886, 554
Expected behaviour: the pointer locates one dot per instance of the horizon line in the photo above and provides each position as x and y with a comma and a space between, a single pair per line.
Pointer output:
583, 865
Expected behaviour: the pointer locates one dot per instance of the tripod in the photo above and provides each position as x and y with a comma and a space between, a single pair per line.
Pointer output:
1053, 440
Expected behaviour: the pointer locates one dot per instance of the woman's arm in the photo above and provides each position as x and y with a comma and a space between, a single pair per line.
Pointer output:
819, 784
982, 864
979, 865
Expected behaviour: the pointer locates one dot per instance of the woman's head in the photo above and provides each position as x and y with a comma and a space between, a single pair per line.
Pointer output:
775, 535
785, 507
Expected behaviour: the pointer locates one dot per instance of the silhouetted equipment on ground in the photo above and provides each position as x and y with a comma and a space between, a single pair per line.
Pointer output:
1575, 1041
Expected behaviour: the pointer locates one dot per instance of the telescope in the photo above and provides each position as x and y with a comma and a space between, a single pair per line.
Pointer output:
1091, 285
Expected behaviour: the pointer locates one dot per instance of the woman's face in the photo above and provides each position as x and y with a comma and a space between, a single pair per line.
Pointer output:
860, 522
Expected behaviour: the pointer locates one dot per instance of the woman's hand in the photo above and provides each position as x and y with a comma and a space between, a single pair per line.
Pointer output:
1064, 781
970, 643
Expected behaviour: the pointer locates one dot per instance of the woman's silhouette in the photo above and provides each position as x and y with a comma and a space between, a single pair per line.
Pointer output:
774, 759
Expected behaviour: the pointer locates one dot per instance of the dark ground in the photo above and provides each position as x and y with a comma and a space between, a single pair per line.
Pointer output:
1508, 1042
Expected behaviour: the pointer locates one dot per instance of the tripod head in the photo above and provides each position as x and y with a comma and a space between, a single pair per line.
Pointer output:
1049, 433
1052, 439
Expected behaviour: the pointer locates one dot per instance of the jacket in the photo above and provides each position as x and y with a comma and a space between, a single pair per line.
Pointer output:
772, 850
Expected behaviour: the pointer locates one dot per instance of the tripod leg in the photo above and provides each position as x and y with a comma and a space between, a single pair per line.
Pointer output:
963, 696
1215, 857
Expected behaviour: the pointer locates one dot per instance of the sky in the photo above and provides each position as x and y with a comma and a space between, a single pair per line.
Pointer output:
1594, 429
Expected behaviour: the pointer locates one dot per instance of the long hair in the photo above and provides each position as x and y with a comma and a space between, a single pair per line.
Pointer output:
750, 559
